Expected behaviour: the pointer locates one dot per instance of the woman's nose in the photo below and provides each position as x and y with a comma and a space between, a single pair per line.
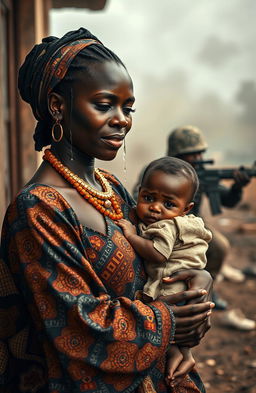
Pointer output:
118, 120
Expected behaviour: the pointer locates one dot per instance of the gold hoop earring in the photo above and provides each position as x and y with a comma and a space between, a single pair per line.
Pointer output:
57, 124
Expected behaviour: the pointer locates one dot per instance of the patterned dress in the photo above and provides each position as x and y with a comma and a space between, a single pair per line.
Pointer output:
68, 319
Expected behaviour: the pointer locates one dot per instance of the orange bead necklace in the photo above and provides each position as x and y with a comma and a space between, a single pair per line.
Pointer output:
101, 200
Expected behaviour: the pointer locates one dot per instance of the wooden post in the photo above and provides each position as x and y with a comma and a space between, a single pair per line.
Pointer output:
31, 26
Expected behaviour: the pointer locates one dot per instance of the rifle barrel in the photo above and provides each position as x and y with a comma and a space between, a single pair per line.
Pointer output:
227, 173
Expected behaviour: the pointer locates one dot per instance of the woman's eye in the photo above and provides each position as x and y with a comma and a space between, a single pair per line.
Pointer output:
127, 110
103, 107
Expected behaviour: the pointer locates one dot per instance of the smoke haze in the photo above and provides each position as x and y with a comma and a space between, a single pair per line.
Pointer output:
191, 63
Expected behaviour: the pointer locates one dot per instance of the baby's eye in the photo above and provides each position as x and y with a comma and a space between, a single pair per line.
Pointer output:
148, 198
168, 204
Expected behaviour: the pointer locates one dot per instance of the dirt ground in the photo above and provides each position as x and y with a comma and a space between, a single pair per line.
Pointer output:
226, 358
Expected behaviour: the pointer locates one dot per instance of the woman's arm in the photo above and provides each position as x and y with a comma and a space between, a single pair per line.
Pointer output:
194, 279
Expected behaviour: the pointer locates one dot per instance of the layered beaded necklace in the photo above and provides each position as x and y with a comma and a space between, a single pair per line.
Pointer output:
103, 201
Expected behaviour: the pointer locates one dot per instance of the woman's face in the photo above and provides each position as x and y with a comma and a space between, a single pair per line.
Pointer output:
101, 110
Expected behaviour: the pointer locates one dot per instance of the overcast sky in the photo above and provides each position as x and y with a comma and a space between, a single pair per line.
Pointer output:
192, 62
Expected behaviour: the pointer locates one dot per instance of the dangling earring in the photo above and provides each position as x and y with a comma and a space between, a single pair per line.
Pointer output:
124, 162
70, 125
57, 124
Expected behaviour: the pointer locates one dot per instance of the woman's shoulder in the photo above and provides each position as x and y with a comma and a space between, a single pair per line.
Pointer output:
38, 198
43, 193
40, 206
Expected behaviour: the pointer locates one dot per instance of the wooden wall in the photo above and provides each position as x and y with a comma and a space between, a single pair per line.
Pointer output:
22, 24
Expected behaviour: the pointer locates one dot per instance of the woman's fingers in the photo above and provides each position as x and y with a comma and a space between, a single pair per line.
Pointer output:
187, 329
190, 322
192, 319
195, 279
187, 275
184, 296
193, 334
187, 340
191, 338
187, 335
204, 327
190, 310
191, 329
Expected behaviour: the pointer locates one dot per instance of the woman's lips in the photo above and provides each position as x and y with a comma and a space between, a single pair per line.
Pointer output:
114, 142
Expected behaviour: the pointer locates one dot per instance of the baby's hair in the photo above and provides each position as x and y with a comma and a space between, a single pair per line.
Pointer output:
174, 166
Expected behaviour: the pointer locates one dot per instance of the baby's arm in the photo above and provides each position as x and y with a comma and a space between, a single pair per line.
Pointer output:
144, 247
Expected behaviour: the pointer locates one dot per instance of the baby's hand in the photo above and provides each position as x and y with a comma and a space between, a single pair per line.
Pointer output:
127, 226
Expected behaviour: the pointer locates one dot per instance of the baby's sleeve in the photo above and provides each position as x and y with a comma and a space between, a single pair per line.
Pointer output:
163, 234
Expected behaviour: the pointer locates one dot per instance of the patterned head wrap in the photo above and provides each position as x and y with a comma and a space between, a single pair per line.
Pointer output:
46, 65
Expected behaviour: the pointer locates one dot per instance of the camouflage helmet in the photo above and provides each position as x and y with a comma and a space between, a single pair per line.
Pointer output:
186, 140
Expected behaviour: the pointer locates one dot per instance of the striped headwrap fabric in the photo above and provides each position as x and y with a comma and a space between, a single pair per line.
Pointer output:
57, 66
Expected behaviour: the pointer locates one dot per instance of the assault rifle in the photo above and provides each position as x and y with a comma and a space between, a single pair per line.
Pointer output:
209, 180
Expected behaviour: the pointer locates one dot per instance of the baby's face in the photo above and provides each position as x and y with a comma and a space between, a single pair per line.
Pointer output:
163, 196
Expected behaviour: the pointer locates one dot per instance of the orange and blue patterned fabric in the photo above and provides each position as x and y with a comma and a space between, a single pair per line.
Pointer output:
68, 319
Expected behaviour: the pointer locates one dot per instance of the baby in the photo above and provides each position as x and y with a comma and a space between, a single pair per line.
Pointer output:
169, 238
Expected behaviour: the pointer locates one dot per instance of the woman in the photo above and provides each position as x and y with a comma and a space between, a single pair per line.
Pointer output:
70, 321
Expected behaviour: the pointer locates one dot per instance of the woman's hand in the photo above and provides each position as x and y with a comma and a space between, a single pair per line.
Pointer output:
192, 320
194, 279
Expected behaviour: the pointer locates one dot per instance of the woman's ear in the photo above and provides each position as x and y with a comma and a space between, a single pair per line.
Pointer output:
56, 106
188, 208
